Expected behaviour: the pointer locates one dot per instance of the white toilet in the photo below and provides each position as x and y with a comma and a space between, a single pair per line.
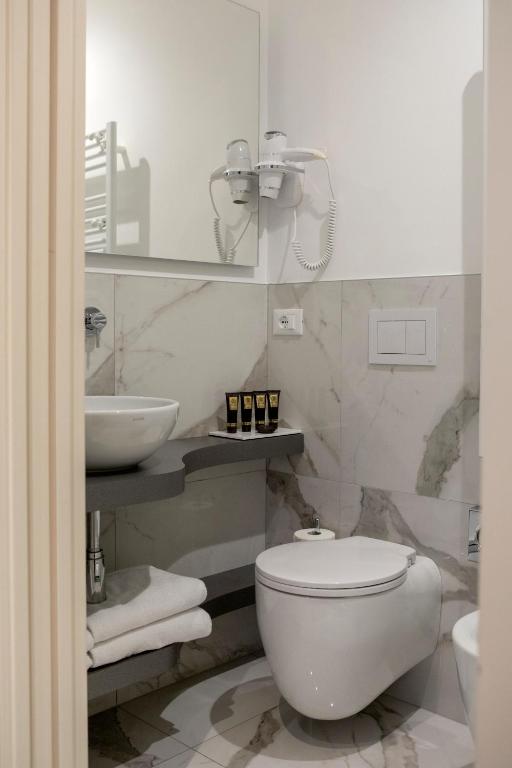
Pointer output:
342, 620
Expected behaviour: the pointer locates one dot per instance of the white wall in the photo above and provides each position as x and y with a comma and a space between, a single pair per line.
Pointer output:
393, 90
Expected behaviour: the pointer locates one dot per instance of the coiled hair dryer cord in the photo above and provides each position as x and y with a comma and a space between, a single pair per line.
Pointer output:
225, 255
296, 245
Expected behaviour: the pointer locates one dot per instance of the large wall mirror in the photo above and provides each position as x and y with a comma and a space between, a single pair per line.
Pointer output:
170, 83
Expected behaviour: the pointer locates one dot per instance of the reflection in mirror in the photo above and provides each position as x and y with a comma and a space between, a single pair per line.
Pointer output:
172, 115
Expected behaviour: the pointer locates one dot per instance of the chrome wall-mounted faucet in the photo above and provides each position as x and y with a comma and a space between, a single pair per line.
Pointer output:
95, 321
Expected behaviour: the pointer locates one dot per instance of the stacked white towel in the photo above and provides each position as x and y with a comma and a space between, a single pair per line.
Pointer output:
89, 643
146, 609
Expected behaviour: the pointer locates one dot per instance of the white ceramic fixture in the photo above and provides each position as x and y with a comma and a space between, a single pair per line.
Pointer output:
120, 432
465, 643
342, 620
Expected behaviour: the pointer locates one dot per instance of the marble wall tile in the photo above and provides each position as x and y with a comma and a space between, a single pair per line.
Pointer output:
99, 361
213, 526
108, 539
390, 452
413, 429
293, 500
307, 369
190, 340
234, 636
437, 529
434, 683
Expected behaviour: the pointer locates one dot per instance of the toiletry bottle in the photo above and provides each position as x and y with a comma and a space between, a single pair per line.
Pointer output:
246, 403
273, 396
260, 407
232, 400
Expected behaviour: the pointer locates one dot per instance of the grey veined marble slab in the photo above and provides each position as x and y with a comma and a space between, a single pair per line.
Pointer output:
407, 428
192, 341
307, 369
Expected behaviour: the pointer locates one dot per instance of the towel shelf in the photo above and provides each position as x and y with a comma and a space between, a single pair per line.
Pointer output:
160, 477
227, 591
163, 474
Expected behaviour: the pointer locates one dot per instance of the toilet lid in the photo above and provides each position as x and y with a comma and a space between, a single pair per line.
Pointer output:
355, 565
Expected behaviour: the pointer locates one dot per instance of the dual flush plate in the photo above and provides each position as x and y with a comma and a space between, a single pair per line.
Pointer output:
288, 322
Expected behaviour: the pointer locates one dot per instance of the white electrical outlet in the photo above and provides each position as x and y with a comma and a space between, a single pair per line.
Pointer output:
288, 322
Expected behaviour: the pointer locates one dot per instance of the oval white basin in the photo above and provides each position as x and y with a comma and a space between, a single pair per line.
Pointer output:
120, 432
465, 641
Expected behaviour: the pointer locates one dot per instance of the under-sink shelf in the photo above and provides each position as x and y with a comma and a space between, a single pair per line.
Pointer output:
227, 591
160, 477
163, 474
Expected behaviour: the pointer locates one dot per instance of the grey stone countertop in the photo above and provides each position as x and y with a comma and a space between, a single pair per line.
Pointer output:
163, 474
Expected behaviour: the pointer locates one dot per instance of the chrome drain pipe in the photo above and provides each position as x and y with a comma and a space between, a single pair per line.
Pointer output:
95, 562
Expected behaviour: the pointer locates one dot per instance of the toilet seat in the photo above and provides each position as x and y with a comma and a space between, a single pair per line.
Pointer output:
349, 567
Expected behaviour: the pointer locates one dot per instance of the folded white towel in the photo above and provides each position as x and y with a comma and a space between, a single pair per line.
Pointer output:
190, 625
139, 596
89, 640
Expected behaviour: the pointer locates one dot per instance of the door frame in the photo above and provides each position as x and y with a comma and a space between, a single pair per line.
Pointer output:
43, 700
494, 737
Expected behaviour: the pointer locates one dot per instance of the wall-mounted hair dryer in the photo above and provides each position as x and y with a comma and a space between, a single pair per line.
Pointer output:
237, 171
241, 177
278, 160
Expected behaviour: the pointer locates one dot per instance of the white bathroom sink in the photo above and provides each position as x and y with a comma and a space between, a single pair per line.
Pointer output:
465, 641
120, 432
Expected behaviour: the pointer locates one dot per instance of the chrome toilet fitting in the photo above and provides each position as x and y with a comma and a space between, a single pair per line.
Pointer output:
474, 534
95, 562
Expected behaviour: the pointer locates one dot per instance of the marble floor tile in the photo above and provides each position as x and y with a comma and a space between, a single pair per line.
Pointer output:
118, 739
196, 711
189, 759
235, 637
387, 734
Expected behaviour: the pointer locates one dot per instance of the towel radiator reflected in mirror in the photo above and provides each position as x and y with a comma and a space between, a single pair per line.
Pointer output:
101, 189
